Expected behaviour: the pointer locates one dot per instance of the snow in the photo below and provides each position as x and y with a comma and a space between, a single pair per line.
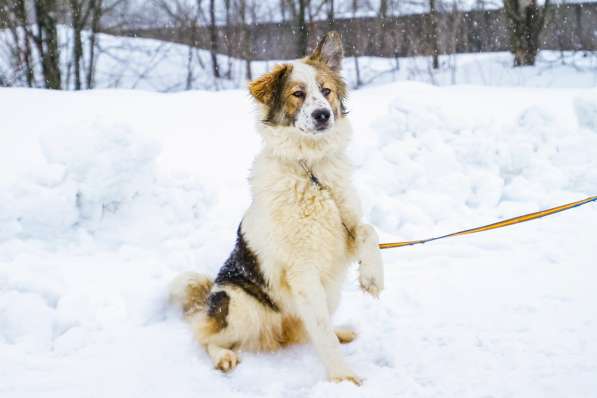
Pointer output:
154, 65
107, 195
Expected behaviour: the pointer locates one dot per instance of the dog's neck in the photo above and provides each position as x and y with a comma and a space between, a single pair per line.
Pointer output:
291, 145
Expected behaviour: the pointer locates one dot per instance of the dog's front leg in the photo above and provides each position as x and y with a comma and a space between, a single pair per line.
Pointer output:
311, 306
371, 276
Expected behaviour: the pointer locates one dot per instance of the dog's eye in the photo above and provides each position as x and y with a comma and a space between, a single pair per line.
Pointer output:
299, 94
325, 91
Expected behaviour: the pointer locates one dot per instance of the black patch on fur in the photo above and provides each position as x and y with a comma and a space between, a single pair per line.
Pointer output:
242, 270
217, 307
277, 102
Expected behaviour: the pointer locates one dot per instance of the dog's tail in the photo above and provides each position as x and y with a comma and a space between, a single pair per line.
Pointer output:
190, 291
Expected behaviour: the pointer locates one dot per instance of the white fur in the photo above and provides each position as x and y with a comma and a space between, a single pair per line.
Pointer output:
296, 230
314, 99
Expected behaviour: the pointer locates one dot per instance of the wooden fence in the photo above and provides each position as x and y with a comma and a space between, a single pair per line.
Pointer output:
569, 27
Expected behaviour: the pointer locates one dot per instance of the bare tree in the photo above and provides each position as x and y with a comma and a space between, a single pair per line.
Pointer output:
246, 36
433, 35
228, 36
382, 14
383, 9
213, 39
46, 40
357, 70
13, 17
37, 46
525, 21
25, 48
298, 10
80, 11
3, 80
185, 19
96, 10
303, 30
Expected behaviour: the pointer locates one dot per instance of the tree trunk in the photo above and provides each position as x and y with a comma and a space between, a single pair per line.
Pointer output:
213, 39
525, 21
383, 8
357, 69
77, 22
47, 42
96, 15
228, 39
190, 78
21, 15
301, 26
246, 39
434, 34
382, 15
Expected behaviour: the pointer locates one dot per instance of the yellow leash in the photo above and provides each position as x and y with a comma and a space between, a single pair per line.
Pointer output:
499, 224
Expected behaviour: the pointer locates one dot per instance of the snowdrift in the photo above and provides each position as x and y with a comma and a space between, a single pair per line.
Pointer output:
106, 195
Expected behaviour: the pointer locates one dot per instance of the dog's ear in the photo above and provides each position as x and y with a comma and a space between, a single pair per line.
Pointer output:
329, 51
266, 88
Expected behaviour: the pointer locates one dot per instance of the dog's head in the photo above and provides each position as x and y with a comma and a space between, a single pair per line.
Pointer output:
307, 94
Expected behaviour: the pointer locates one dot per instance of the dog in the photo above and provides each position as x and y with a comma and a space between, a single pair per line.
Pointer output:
303, 229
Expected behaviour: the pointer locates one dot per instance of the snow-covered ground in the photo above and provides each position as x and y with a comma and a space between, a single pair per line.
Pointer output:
106, 195
159, 66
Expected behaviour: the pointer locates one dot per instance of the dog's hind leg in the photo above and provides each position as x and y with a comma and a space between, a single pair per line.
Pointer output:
215, 332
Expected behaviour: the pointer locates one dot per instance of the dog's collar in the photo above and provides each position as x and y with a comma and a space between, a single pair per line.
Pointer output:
311, 176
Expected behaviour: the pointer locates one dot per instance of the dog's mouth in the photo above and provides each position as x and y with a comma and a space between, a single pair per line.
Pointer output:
322, 128
317, 130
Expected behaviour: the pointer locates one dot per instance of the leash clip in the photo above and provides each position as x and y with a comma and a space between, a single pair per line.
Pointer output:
314, 180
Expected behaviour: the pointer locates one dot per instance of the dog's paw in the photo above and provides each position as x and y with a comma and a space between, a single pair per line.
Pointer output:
227, 360
371, 282
345, 336
371, 270
346, 376
369, 285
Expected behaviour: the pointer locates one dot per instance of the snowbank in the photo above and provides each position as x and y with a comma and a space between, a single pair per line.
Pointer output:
106, 195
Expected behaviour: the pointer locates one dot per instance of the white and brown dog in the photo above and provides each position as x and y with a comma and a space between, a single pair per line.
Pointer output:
283, 280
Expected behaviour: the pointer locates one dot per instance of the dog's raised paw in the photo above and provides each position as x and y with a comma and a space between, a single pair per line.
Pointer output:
227, 360
369, 285
345, 336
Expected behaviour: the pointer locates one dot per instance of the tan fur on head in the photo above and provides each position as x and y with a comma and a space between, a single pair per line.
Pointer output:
291, 94
265, 87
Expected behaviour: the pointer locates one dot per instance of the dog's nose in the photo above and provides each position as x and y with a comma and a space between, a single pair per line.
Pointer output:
321, 116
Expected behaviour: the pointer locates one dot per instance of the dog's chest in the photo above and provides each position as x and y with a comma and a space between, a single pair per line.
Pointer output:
310, 214
317, 202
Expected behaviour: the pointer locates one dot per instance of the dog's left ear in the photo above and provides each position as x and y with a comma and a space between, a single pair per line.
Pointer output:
329, 51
